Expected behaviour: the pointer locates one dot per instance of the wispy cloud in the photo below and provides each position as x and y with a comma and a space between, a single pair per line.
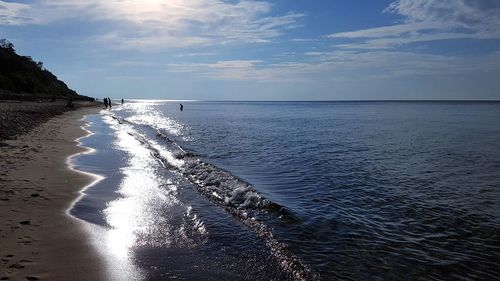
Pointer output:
304, 39
160, 24
237, 70
196, 54
341, 65
430, 20
11, 13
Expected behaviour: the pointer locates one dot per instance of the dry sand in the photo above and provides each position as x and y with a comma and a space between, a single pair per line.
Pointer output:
38, 239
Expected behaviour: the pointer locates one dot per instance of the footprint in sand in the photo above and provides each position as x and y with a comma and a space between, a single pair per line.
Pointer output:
26, 240
36, 196
15, 266
6, 258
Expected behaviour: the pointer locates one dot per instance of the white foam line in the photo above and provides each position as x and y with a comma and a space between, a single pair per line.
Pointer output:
71, 165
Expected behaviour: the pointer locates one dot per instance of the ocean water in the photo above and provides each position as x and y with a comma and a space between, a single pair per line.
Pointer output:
296, 190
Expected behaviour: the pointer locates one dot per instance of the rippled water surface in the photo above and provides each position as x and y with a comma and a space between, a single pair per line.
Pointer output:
298, 190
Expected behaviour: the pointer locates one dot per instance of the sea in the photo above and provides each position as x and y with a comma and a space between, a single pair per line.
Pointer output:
294, 190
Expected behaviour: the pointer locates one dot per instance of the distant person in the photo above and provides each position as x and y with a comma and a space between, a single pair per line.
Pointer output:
181, 107
122, 101
106, 103
109, 102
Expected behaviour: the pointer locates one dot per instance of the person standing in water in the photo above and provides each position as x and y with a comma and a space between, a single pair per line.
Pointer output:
122, 101
106, 103
181, 107
109, 102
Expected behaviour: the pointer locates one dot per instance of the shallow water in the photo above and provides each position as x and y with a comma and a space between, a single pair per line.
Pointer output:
298, 190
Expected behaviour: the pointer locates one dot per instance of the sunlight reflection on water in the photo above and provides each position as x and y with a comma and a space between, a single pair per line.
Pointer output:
147, 212
154, 119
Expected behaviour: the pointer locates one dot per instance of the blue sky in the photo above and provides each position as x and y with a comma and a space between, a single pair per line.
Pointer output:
264, 50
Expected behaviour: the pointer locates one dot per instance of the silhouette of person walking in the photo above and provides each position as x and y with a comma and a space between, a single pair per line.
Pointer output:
109, 102
181, 108
106, 103
122, 101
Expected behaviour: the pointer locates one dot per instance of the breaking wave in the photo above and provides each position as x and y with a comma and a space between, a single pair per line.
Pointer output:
226, 190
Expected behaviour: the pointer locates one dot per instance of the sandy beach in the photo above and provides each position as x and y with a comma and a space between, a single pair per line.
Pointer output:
38, 239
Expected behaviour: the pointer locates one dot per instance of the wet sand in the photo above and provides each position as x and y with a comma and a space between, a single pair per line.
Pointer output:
38, 239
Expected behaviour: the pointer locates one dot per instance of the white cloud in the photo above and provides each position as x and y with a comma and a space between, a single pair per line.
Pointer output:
196, 54
430, 20
156, 24
342, 65
315, 53
238, 70
10, 13
304, 40
473, 14
383, 31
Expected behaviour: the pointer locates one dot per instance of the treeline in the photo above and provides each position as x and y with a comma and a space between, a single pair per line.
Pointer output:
23, 78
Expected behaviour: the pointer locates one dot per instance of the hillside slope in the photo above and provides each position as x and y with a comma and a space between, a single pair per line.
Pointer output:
23, 78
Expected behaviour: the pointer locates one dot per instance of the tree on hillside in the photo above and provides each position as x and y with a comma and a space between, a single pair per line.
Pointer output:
6, 44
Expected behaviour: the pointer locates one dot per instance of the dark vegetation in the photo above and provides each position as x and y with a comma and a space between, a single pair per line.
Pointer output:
22, 78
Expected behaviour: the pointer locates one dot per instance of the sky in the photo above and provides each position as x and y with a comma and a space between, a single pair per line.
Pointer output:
264, 50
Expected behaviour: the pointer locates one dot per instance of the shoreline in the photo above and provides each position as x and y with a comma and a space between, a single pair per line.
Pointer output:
39, 239
93, 178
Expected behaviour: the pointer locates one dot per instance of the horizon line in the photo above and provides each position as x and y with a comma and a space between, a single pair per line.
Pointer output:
340, 100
